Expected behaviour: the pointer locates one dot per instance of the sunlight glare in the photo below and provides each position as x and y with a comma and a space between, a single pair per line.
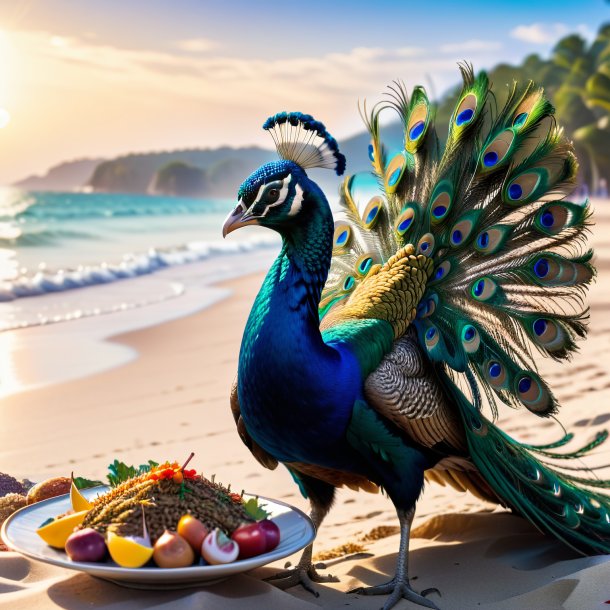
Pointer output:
5, 117
61, 42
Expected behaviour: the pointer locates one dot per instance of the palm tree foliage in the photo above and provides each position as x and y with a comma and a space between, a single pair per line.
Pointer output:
576, 79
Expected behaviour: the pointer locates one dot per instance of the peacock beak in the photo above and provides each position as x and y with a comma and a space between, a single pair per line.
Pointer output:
235, 220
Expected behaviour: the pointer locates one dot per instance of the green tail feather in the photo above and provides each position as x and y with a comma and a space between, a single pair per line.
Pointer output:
510, 268
511, 272
557, 503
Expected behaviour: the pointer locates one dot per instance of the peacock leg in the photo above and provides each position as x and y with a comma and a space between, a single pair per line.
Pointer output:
304, 573
399, 587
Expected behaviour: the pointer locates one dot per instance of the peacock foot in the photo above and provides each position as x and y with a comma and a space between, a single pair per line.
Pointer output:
304, 575
398, 591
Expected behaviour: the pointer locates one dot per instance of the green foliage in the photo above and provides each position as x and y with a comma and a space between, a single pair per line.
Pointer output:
576, 79
82, 483
255, 509
135, 173
120, 472
179, 178
183, 491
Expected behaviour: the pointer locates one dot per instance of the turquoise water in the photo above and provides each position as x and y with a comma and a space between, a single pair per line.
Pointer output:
60, 243
62, 240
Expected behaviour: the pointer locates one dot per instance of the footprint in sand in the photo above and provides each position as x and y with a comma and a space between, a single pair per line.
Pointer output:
596, 421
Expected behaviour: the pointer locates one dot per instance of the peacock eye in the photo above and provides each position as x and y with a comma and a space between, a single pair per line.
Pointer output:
272, 195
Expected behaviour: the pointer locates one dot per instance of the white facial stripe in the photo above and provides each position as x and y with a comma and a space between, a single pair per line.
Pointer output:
297, 202
282, 196
259, 194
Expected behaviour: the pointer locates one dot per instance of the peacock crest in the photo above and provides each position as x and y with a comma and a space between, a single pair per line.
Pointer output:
301, 139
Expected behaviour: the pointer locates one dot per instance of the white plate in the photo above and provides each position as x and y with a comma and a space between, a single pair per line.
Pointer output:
19, 533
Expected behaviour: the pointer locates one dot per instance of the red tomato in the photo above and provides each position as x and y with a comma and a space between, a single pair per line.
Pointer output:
251, 540
272, 534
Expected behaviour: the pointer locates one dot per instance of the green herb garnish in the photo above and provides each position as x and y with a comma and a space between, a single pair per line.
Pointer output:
120, 472
255, 509
82, 483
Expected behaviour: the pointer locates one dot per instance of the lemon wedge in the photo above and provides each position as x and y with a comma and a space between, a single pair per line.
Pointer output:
127, 552
57, 532
79, 502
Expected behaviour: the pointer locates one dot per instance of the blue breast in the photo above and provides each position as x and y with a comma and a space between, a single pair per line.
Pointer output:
296, 394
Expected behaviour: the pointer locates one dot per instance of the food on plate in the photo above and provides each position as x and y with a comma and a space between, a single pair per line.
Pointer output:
164, 512
272, 534
251, 540
86, 545
56, 532
192, 530
78, 501
173, 551
57, 486
217, 548
129, 551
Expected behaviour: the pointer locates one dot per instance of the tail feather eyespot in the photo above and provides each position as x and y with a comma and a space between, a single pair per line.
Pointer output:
466, 110
497, 151
342, 235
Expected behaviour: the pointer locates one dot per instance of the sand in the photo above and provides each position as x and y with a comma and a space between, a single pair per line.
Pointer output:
173, 399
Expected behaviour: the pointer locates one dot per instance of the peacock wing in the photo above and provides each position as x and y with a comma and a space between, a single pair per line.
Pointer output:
461, 474
264, 458
511, 269
405, 390
510, 265
389, 292
380, 308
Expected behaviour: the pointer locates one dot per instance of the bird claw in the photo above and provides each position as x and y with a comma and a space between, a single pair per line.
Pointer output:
300, 575
398, 591
383, 589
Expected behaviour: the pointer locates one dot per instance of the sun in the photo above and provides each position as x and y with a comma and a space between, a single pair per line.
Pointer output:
5, 117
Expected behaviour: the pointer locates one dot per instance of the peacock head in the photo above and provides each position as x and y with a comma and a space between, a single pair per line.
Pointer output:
272, 196
276, 194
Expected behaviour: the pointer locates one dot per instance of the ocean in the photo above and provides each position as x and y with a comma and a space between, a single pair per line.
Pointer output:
77, 268
54, 243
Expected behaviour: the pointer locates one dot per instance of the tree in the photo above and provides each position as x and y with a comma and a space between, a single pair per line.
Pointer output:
180, 179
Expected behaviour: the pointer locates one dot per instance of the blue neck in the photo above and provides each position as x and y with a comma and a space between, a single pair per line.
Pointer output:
296, 279
295, 391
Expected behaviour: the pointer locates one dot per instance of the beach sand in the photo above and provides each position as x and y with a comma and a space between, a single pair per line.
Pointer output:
173, 399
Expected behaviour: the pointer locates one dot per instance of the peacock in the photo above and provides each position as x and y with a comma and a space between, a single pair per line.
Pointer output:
383, 341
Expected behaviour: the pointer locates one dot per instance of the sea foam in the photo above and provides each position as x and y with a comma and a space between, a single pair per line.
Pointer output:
132, 265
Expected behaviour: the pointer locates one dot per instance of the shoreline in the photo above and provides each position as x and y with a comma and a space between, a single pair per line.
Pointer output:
152, 345
86, 337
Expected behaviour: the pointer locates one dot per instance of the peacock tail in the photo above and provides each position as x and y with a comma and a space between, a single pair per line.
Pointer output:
510, 269
509, 266
533, 481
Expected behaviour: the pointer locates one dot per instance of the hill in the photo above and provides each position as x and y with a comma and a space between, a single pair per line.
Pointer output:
67, 176
138, 173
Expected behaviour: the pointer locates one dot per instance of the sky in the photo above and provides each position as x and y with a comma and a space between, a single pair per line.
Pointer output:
84, 78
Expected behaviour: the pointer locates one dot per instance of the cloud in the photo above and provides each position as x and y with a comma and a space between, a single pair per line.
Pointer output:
539, 33
195, 45
471, 46
214, 76
586, 32
545, 33
60, 41
110, 99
